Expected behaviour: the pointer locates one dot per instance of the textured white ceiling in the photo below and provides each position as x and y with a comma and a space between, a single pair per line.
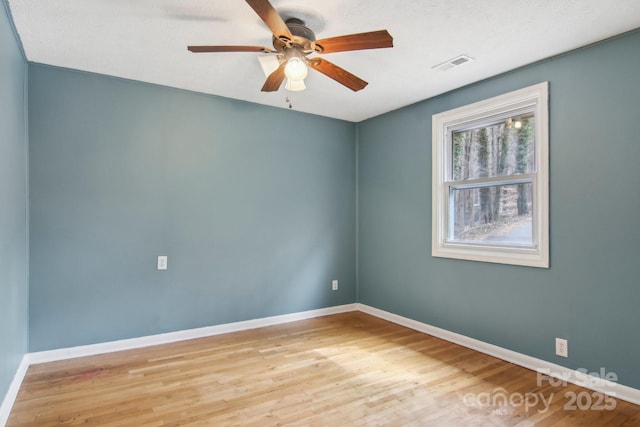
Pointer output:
146, 40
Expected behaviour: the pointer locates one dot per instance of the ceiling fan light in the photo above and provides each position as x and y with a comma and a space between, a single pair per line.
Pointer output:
296, 69
295, 85
518, 123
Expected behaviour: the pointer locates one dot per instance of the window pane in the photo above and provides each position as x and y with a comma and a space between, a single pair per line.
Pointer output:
499, 214
501, 149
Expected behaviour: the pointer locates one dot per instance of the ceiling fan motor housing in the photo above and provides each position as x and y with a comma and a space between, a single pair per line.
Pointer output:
303, 37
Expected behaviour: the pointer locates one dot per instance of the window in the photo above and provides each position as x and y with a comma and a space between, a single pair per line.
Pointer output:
490, 180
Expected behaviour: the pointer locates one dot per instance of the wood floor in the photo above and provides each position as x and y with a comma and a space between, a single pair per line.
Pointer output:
343, 370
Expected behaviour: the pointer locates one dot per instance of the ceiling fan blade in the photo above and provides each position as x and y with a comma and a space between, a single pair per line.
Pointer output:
338, 74
371, 40
275, 79
213, 49
271, 17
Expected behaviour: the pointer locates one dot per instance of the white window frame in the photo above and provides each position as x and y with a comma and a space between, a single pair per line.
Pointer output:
537, 255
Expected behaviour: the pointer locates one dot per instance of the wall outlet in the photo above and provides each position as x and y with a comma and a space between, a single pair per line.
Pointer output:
334, 285
562, 347
162, 262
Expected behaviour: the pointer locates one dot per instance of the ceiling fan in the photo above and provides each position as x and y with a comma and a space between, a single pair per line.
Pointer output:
293, 42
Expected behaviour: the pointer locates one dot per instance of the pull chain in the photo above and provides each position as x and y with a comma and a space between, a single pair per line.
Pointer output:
289, 97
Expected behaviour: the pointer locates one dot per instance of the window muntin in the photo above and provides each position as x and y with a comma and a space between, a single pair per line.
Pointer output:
490, 180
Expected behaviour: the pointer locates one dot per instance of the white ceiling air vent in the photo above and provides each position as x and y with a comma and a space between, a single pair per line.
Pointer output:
454, 62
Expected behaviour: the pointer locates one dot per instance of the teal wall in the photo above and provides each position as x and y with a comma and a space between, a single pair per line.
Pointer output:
13, 204
591, 293
254, 206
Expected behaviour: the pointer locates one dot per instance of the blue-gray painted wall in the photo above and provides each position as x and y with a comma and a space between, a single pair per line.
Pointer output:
254, 206
591, 293
13, 204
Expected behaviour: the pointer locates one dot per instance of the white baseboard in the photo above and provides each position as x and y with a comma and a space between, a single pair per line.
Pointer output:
12, 393
169, 337
562, 373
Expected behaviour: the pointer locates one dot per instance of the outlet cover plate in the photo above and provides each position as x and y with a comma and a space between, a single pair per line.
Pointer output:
162, 262
562, 347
